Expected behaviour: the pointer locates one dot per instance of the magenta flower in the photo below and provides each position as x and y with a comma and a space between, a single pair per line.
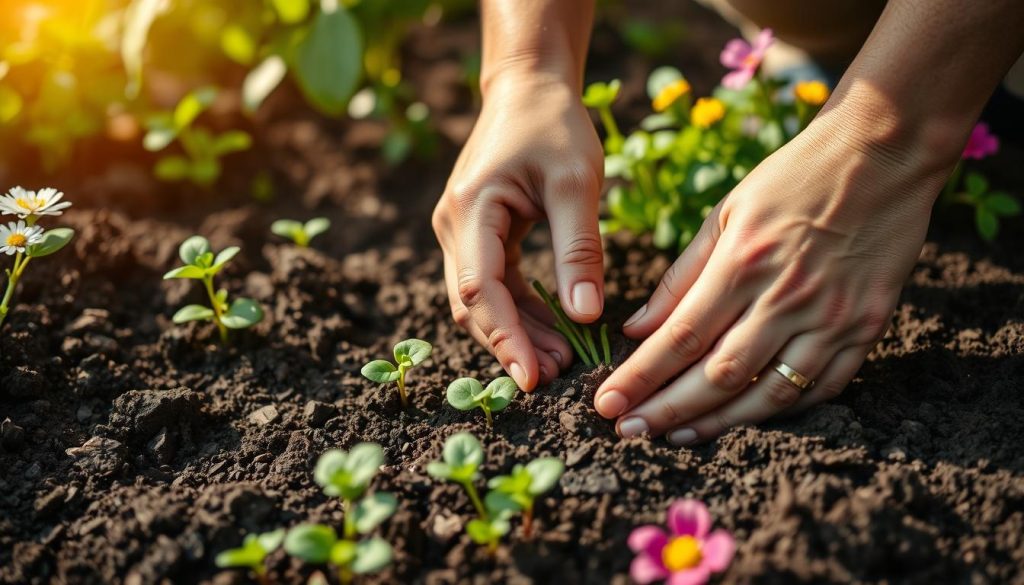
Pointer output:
981, 143
744, 58
687, 555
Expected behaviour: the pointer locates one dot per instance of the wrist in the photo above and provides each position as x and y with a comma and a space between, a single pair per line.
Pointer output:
520, 72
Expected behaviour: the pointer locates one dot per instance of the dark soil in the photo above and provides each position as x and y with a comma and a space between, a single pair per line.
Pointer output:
134, 450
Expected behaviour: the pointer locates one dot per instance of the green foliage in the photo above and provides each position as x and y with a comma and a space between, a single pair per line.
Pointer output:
408, 354
579, 336
989, 206
468, 393
461, 459
526, 482
300, 233
347, 474
253, 552
53, 241
201, 264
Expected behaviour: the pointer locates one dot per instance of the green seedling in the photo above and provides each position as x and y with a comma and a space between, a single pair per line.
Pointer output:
408, 354
468, 393
525, 484
201, 264
298, 232
579, 336
252, 554
347, 475
601, 96
989, 206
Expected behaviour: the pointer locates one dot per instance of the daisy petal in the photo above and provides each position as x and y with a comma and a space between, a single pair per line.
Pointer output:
718, 550
689, 517
695, 576
646, 570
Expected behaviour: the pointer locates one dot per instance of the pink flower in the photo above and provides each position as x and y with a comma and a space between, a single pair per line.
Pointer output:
687, 554
982, 143
744, 59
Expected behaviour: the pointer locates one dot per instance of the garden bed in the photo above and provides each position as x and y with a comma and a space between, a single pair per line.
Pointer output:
137, 450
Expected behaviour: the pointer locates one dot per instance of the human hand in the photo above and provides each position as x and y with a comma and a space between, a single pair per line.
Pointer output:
533, 153
803, 262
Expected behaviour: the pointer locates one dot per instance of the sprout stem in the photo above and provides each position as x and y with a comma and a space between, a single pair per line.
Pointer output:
475, 498
569, 329
574, 342
528, 522
487, 413
344, 575
217, 312
605, 345
610, 127
350, 522
13, 275
595, 357
401, 386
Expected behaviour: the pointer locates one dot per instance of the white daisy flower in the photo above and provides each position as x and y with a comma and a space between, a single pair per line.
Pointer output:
17, 237
23, 203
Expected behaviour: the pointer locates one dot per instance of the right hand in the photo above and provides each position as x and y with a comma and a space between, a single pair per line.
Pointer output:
533, 154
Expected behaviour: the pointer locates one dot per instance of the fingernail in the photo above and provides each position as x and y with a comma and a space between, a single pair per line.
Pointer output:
518, 374
556, 356
632, 427
636, 316
544, 372
682, 437
612, 404
585, 299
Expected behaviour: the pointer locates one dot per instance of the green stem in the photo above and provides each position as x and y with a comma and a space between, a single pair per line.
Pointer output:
768, 104
344, 575
574, 342
528, 521
605, 345
954, 180
217, 313
475, 498
594, 356
561, 318
401, 386
350, 520
487, 413
13, 275
610, 126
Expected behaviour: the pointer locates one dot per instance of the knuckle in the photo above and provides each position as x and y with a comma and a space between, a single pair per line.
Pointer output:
729, 374
584, 249
639, 373
471, 288
439, 219
721, 422
461, 316
873, 323
673, 414
832, 390
672, 281
683, 340
575, 179
500, 337
781, 394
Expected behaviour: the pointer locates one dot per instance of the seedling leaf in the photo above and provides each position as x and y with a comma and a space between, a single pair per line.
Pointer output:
413, 351
464, 393
500, 392
192, 248
487, 532
343, 553
346, 475
372, 555
544, 474
53, 240
372, 510
312, 543
243, 313
316, 226
193, 313
502, 505
250, 554
286, 228
271, 540
462, 456
225, 256
380, 371
1002, 204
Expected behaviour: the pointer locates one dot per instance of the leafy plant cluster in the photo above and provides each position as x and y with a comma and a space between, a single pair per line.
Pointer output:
509, 495
579, 336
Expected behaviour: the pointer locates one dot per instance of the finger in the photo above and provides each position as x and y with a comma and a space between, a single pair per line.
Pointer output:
526, 298
676, 282
772, 392
720, 376
480, 263
571, 204
551, 348
460, 314
698, 321
834, 379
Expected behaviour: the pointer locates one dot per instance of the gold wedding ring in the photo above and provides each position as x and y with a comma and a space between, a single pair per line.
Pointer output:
799, 380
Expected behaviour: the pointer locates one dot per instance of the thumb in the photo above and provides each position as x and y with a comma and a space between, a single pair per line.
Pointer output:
572, 209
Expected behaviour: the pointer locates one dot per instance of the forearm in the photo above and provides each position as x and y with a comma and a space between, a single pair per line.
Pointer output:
535, 37
925, 73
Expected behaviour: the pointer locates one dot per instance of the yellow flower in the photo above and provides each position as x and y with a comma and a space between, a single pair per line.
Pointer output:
706, 112
812, 93
670, 94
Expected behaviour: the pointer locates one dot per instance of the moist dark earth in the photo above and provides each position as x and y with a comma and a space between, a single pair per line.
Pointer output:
134, 450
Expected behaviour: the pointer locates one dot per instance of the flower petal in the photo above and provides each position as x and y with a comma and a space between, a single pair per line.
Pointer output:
764, 39
717, 551
645, 569
734, 53
695, 576
738, 79
647, 539
689, 517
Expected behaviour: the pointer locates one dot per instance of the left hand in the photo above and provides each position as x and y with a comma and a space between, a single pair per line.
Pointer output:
803, 262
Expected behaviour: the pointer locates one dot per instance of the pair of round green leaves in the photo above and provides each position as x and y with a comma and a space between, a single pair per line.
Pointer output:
202, 264
408, 353
347, 474
468, 393
298, 232
319, 544
253, 551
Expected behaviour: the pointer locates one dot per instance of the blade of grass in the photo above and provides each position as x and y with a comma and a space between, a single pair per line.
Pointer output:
575, 344
605, 345
596, 357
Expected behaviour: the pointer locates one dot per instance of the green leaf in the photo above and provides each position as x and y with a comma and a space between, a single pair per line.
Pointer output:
463, 453
172, 168
269, 541
193, 313
601, 95
286, 228
204, 172
225, 256
439, 470
660, 78
544, 474
329, 60
708, 176
372, 555
484, 532
616, 165
371, 511
501, 504
232, 141
500, 393
291, 11
347, 474
238, 44
310, 542
464, 393
242, 313
380, 371
517, 482
343, 553
160, 133
1002, 204
192, 248
637, 146
987, 222
976, 184
53, 241
262, 81
316, 226
193, 104
666, 231
205, 260
415, 351
250, 554
190, 271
